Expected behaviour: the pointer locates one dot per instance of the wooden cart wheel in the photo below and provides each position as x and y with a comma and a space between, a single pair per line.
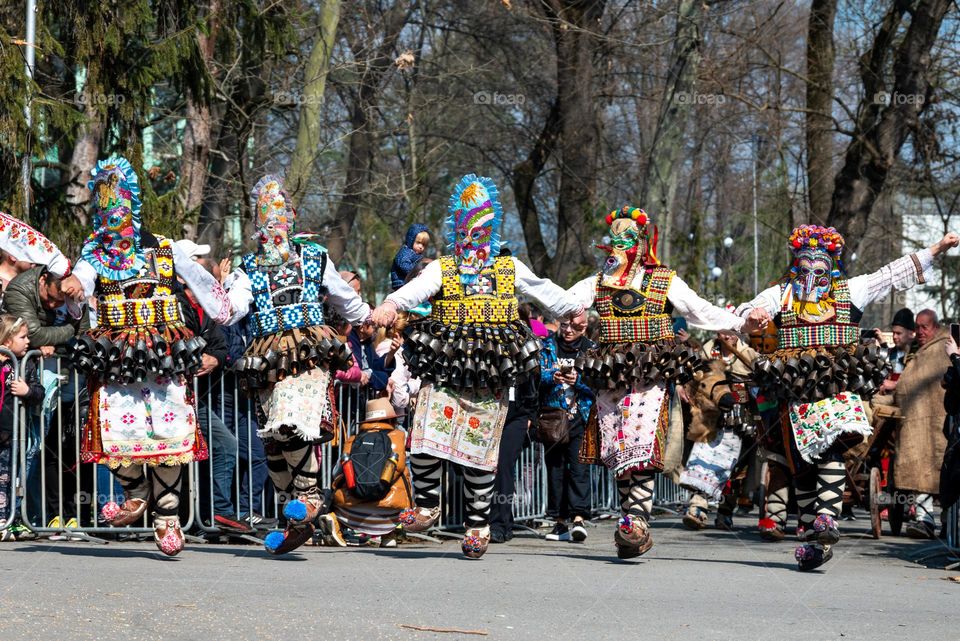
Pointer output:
875, 507
895, 513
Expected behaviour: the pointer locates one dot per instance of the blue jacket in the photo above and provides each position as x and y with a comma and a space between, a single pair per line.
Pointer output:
551, 393
406, 259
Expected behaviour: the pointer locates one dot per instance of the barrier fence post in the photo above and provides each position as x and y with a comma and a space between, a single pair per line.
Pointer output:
10, 458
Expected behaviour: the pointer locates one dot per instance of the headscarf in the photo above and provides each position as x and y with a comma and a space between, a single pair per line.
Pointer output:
406, 259
114, 249
474, 226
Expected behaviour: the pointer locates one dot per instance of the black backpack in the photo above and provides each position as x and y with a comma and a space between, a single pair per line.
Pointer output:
369, 455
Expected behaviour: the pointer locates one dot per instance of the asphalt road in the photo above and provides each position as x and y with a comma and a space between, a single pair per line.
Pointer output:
697, 586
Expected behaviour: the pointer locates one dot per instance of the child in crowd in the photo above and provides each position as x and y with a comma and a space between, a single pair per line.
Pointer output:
409, 255
13, 337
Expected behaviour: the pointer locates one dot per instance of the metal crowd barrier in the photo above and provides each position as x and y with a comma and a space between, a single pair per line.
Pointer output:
77, 491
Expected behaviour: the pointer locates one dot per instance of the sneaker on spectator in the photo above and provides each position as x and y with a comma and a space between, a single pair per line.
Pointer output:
73, 525
560, 532
56, 524
22, 532
921, 530
259, 522
332, 532
389, 540
232, 524
579, 531
5, 533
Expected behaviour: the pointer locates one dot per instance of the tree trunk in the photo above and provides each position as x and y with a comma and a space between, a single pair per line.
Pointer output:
315, 83
524, 179
196, 154
886, 115
359, 155
820, 60
197, 134
84, 158
574, 24
663, 168
224, 184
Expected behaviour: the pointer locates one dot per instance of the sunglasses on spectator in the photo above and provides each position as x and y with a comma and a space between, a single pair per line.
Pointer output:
573, 326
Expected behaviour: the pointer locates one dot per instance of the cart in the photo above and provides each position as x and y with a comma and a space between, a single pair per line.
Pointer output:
869, 468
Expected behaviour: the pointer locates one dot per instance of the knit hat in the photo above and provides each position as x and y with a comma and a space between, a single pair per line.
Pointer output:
904, 318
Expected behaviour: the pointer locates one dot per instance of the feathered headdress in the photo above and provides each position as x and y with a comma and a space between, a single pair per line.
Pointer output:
113, 248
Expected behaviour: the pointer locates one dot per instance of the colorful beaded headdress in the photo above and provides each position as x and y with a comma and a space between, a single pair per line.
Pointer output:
474, 226
814, 240
113, 248
274, 218
270, 202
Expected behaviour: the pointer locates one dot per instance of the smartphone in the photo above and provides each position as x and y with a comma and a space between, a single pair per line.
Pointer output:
955, 332
867, 336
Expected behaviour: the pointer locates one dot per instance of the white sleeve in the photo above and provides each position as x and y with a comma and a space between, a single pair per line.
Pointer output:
206, 289
768, 299
87, 276
420, 289
240, 292
25, 243
699, 312
903, 273
584, 292
342, 297
545, 291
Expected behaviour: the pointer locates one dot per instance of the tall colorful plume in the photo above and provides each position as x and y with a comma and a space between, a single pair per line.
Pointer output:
113, 248
474, 225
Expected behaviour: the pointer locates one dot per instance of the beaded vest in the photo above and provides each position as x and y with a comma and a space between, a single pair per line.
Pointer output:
498, 305
144, 301
843, 329
287, 296
632, 316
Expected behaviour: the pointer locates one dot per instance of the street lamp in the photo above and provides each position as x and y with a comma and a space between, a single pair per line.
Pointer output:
29, 58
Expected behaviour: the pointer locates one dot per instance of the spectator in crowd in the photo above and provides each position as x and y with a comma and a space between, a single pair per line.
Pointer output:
950, 470
520, 414
14, 338
364, 346
409, 255
561, 387
239, 417
920, 440
36, 297
355, 375
903, 329
221, 441
352, 279
52, 322
533, 316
